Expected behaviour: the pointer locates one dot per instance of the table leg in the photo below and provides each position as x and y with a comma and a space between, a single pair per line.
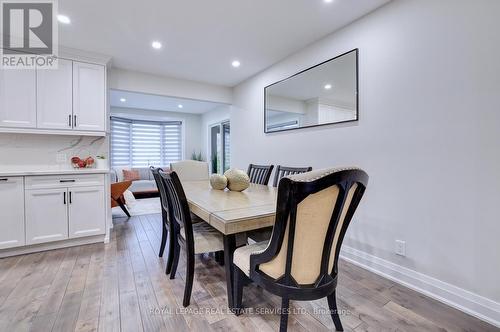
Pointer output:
229, 247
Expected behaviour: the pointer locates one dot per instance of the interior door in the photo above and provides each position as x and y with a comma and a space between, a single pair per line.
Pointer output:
11, 212
86, 211
46, 215
55, 96
18, 98
89, 110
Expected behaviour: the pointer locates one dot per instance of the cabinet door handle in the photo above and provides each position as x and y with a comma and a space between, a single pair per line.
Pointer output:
69, 120
70, 200
4, 180
64, 181
74, 121
64, 198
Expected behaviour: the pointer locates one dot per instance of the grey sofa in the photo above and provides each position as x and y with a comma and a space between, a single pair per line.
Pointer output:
145, 187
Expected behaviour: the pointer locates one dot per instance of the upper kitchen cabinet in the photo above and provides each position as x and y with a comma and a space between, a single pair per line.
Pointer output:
69, 100
89, 109
18, 98
54, 96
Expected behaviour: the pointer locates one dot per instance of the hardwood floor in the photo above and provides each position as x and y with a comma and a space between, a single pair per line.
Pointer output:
122, 286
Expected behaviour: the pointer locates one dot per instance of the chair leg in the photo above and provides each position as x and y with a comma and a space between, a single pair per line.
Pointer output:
175, 259
238, 290
219, 257
332, 303
189, 279
124, 208
164, 235
171, 250
285, 310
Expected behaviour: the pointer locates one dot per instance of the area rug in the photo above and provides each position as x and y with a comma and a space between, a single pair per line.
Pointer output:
139, 207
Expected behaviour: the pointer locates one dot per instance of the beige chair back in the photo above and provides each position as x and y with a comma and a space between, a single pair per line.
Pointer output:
190, 170
321, 211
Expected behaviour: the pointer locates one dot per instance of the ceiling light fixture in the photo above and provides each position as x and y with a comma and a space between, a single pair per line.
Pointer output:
63, 19
123, 100
156, 45
328, 86
328, 1
180, 106
235, 64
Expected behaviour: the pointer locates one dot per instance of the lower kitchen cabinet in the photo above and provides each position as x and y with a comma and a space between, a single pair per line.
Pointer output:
86, 211
61, 208
11, 212
46, 215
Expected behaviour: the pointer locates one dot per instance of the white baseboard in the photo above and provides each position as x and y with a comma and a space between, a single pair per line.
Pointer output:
456, 297
51, 246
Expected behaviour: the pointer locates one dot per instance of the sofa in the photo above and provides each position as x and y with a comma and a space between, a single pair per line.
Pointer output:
145, 187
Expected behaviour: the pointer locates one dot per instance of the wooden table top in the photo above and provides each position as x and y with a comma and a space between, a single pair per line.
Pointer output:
232, 212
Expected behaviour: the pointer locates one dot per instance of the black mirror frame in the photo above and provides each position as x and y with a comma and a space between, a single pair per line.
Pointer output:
356, 50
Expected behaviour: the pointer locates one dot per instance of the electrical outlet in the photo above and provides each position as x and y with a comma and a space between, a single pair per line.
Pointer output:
61, 158
400, 248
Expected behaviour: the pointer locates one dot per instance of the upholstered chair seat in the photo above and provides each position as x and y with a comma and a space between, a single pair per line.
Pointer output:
241, 257
206, 238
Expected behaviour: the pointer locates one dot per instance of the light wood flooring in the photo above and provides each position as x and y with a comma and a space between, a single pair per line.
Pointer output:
121, 286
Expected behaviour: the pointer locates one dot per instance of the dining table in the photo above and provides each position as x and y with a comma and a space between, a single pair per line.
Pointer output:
231, 213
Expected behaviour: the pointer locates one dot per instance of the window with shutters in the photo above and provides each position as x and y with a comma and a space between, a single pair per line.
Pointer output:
137, 143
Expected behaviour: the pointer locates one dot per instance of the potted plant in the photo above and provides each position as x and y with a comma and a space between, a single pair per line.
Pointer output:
100, 162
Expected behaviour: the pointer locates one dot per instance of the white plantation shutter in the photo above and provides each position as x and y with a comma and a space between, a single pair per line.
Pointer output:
148, 143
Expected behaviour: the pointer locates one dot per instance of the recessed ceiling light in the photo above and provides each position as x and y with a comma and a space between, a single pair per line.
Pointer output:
156, 45
328, 1
63, 19
328, 86
235, 64
180, 106
123, 100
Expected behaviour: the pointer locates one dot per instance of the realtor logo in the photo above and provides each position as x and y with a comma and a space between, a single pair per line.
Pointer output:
29, 34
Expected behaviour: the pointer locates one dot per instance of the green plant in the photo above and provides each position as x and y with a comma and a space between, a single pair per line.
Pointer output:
196, 156
100, 157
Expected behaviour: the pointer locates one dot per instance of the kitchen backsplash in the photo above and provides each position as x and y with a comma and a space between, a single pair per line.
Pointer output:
47, 151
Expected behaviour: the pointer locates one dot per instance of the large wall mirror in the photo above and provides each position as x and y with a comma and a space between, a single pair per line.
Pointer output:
323, 94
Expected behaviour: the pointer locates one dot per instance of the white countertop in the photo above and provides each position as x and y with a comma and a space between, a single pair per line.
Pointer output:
70, 171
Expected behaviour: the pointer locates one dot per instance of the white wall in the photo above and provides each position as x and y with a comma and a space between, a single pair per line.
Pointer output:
192, 124
207, 119
126, 80
428, 137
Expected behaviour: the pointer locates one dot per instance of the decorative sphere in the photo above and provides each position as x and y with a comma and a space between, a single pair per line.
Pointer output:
237, 180
218, 181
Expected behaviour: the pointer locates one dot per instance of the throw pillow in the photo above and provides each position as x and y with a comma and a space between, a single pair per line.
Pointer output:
130, 175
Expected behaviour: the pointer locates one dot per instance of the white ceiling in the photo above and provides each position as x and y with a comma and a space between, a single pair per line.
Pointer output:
144, 101
200, 38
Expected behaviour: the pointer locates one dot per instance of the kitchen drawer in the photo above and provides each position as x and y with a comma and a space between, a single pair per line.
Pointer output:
63, 181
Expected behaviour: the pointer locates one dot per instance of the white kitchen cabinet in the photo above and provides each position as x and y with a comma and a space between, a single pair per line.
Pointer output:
86, 211
11, 212
46, 215
89, 110
54, 96
18, 98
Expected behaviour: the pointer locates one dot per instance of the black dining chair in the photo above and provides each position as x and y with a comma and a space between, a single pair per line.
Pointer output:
300, 262
197, 238
166, 225
259, 174
282, 171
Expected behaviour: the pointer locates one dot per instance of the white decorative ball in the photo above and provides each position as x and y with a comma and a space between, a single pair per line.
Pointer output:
237, 180
218, 181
